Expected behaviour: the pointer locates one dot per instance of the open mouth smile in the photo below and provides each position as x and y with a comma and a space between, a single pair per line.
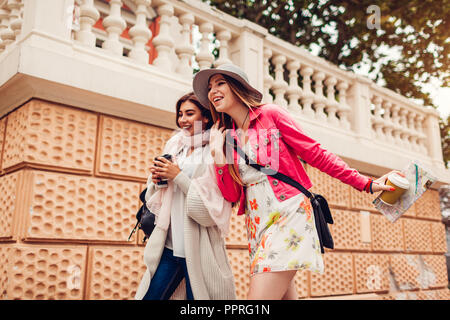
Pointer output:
217, 99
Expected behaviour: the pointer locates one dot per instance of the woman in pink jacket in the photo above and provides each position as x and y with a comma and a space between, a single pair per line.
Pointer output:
280, 223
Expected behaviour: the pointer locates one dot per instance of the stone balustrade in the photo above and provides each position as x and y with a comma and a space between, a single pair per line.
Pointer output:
173, 42
314, 89
177, 38
10, 22
397, 124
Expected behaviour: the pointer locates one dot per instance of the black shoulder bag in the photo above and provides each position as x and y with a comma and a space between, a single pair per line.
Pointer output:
322, 214
145, 218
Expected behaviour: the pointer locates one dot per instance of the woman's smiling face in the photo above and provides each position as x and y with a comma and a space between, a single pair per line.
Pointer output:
190, 118
220, 94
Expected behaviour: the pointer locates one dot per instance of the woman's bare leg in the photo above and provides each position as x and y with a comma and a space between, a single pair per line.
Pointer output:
291, 293
270, 285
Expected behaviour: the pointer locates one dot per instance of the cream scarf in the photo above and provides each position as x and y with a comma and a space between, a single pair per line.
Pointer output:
160, 203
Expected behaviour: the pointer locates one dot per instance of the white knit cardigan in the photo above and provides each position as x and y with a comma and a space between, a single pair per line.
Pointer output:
210, 274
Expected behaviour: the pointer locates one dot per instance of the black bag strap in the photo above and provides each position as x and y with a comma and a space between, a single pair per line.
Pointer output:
267, 170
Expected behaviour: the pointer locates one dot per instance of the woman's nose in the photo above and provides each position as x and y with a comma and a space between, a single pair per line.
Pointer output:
212, 91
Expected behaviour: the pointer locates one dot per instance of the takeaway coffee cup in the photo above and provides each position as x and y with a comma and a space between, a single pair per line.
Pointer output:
400, 184
162, 183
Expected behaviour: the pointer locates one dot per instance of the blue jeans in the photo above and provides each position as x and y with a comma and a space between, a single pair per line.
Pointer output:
167, 277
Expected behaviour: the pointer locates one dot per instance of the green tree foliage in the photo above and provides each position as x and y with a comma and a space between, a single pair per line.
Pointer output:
410, 47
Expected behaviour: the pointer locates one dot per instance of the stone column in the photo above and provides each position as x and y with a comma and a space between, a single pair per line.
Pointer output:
48, 16
247, 52
359, 101
432, 132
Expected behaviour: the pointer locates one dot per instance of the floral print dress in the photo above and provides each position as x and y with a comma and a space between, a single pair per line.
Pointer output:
281, 235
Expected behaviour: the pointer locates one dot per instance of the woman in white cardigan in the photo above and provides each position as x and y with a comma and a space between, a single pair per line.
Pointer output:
192, 217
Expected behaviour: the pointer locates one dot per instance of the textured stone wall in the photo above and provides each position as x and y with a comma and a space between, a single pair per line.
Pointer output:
69, 187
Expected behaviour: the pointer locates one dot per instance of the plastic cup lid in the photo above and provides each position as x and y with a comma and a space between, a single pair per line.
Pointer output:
399, 181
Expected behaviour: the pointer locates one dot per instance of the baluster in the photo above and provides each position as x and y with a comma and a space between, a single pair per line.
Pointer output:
388, 126
396, 124
377, 119
404, 133
293, 91
268, 80
412, 130
205, 58
343, 108
307, 96
185, 51
319, 99
163, 42
140, 33
421, 137
331, 104
416, 134
279, 86
223, 36
114, 25
6, 34
88, 16
3, 25
15, 16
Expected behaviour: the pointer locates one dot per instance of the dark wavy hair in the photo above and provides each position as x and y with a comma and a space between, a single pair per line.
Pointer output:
191, 97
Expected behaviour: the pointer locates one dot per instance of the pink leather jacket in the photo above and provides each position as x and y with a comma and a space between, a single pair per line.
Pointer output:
277, 140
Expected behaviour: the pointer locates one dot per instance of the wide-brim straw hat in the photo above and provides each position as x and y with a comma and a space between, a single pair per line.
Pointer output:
201, 81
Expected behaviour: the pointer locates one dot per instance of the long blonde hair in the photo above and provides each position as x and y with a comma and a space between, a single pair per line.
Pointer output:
250, 101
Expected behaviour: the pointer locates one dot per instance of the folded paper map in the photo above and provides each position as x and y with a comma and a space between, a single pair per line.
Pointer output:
420, 179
